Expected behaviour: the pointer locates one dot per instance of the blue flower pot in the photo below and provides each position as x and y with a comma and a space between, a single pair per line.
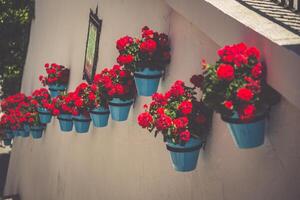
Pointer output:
23, 133
185, 157
7, 141
100, 116
246, 134
56, 89
9, 134
36, 131
65, 122
119, 109
82, 123
44, 115
147, 81
16, 133
27, 127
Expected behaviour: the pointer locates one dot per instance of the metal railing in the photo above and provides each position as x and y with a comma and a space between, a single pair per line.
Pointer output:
290, 4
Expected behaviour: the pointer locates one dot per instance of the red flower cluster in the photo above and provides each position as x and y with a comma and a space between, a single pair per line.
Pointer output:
11, 102
56, 74
18, 110
41, 98
118, 82
152, 50
63, 104
176, 114
124, 42
225, 72
234, 83
148, 46
125, 59
82, 99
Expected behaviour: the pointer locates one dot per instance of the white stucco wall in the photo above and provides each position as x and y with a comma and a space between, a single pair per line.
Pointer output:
122, 161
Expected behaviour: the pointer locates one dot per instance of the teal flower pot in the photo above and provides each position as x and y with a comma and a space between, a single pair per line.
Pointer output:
27, 127
119, 109
23, 133
248, 134
15, 133
82, 123
147, 81
36, 131
7, 141
100, 116
44, 115
56, 89
9, 134
185, 158
65, 122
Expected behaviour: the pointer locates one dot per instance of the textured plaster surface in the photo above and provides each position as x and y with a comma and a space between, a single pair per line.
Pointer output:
122, 161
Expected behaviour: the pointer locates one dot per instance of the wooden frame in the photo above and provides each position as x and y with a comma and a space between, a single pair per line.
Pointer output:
92, 46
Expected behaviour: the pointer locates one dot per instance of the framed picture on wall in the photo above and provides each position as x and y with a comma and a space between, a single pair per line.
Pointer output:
92, 46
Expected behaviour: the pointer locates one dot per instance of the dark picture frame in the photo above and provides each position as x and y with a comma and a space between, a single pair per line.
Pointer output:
92, 46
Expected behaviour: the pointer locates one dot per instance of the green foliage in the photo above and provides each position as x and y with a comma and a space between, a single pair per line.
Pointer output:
15, 20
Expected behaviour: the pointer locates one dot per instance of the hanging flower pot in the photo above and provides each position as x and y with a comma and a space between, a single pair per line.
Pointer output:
8, 137
121, 90
8, 133
36, 131
100, 116
23, 133
44, 115
56, 89
185, 157
147, 81
27, 127
246, 134
119, 108
82, 123
182, 120
235, 86
57, 78
147, 57
7, 141
65, 122
15, 133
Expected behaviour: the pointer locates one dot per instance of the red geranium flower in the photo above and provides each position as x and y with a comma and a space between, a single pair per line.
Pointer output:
247, 112
181, 122
257, 71
163, 122
148, 46
125, 59
228, 105
145, 120
185, 107
225, 72
185, 135
245, 94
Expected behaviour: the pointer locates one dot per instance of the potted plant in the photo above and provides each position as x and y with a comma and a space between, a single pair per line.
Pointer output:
146, 57
20, 112
14, 108
6, 124
62, 107
57, 78
99, 111
235, 86
42, 100
82, 105
36, 127
183, 122
121, 91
